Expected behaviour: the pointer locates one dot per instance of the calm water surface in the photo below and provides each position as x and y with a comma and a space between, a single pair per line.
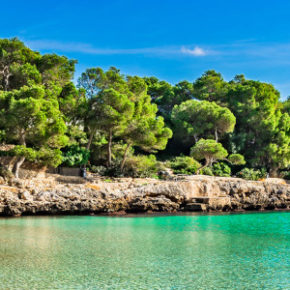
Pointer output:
242, 251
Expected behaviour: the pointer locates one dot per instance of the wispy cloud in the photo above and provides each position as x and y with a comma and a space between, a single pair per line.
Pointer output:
89, 49
197, 51
232, 52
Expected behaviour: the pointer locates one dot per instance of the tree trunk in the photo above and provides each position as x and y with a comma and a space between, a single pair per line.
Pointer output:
17, 166
273, 172
216, 135
6, 75
205, 165
20, 161
110, 149
91, 139
125, 156
11, 163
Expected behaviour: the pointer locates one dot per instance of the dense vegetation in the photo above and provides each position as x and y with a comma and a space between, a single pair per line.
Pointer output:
137, 126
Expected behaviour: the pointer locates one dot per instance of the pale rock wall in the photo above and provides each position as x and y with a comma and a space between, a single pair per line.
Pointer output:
73, 195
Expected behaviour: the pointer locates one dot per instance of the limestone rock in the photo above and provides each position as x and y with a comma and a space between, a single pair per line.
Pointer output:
192, 193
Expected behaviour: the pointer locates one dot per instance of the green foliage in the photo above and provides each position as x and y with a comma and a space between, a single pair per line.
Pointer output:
210, 86
33, 87
184, 165
196, 119
252, 174
141, 166
221, 169
113, 115
50, 157
145, 130
285, 174
44, 156
286, 106
98, 169
261, 129
75, 155
166, 96
119, 107
237, 159
206, 171
23, 151
208, 149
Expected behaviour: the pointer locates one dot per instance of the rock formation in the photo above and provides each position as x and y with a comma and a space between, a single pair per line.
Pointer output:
63, 195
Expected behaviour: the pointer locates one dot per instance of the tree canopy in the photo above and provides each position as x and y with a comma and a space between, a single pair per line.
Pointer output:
108, 117
202, 119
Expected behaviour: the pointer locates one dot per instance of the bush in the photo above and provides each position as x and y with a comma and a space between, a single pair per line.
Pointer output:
206, 171
221, 169
20, 150
141, 166
75, 155
237, 159
252, 174
184, 165
49, 157
285, 174
98, 169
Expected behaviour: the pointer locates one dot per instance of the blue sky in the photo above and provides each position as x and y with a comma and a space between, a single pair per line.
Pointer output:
172, 40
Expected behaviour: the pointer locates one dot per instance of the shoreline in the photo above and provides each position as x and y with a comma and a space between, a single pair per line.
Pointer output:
53, 195
148, 215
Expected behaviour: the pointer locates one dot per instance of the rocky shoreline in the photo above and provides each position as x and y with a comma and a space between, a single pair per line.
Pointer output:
56, 195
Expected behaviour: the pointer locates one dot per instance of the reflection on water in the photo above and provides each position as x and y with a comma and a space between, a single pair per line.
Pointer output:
247, 251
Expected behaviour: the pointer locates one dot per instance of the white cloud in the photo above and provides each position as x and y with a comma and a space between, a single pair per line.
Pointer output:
197, 51
88, 49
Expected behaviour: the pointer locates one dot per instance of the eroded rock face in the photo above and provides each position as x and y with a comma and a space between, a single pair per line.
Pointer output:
195, 193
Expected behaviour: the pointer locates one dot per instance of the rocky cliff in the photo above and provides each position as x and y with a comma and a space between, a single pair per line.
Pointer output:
60, 195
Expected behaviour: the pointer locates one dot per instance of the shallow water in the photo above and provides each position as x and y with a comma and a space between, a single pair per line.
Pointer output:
241, 251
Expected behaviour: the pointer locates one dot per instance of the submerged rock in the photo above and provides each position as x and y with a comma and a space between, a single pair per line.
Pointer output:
193, 193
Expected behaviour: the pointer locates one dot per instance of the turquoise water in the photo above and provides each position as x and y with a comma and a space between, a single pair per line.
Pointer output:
241, 251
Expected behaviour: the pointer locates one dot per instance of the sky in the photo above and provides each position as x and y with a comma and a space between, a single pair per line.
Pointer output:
172, 40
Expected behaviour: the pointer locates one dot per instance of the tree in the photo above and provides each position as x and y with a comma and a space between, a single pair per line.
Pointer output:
210, 87
202, 119
75, 155
286, 106
166, 96
116, 111
259, 131
279, 148
236, 159
122, 109
210, 150
32, 87
17, 65
31, 118
20, 66
145, 129
258, 110
95, 82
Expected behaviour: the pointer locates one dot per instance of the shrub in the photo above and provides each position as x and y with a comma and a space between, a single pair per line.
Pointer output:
141, 166
206, 171
98, 169
237, 159
75, 155
285, 174
20, 150
252, 174
49, 157
184, 165
221, 169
